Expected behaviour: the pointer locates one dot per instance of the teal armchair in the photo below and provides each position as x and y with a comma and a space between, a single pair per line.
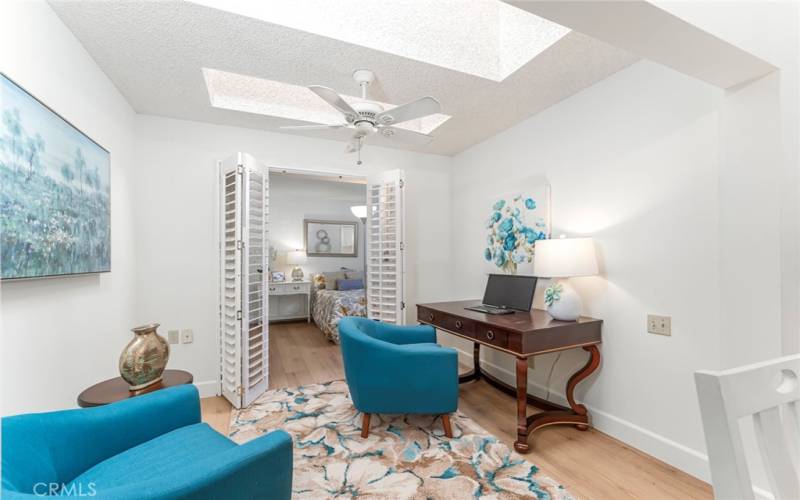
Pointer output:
398, 369
149, 447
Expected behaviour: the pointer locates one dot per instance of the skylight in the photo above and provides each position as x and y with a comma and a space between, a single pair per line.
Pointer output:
486, 38
237, 92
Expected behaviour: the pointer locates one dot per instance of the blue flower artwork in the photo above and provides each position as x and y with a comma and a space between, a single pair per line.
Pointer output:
514, 225
55, 214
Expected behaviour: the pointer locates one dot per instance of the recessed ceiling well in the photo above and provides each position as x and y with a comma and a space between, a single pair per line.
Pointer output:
485, 38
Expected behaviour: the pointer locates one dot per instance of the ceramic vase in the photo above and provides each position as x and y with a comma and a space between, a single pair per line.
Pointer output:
143, 360
563, 302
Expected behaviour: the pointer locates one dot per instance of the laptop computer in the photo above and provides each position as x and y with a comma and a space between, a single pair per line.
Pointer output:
507, 293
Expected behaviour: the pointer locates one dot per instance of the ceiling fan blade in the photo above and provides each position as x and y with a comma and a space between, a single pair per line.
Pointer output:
414, 109
331, 97
406, 136
312, 127
354, 144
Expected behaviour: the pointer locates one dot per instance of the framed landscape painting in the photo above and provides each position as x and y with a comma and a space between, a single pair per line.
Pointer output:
55, 189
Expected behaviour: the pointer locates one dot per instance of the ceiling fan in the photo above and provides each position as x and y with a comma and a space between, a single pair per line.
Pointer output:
366, 118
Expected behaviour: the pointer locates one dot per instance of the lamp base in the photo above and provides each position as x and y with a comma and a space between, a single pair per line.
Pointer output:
567, 307
297, 274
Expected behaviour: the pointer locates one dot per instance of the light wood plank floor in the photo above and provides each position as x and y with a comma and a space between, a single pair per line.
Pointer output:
590, 464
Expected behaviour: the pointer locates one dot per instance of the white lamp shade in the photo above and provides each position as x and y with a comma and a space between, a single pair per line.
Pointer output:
359, 211
296, 257
564, 258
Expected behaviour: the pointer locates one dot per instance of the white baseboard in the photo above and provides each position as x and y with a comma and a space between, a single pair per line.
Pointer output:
208, 388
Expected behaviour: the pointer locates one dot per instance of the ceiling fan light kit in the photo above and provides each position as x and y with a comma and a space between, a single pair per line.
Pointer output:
366, 117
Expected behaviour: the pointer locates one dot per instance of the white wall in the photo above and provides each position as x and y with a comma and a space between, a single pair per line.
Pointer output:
60, 335
633, 161
766, 140
760, 163
176, 244
293, 198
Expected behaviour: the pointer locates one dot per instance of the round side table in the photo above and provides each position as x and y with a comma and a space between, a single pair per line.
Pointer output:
116, 389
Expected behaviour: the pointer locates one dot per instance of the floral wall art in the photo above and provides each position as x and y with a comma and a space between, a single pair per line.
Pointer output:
54, 192
516, 221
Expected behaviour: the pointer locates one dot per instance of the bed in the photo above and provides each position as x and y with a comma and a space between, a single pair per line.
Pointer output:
329, 306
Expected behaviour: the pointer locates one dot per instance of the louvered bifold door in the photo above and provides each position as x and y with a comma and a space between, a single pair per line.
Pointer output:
230, 282
385, 247
254, 312
244, 244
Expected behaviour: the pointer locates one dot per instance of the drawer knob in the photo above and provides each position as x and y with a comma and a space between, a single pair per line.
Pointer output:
490, 335
430, 316
272, 289
459, 324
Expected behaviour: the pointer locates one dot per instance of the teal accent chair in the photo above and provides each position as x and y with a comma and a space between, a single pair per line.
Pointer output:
398, 369
149, 447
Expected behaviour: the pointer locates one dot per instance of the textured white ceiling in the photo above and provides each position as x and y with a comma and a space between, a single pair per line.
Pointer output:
155, 51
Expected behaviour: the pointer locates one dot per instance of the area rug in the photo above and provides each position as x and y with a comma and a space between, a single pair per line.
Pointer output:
405, 456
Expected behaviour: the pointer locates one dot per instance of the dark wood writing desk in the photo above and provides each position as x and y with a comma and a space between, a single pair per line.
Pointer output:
522, 334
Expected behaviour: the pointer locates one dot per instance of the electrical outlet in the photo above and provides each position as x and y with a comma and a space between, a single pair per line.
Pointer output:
659, 325
187, 336
172, 336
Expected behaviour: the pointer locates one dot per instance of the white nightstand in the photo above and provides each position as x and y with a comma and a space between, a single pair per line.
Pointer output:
289, 300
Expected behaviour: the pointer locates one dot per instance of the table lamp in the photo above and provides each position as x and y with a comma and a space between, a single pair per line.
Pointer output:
562, 259
295, 258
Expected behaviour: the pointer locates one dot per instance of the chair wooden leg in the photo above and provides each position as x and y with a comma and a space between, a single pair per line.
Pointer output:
448, 431
365, 425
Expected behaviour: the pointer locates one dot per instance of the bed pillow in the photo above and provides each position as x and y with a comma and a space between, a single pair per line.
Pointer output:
349, 284
332, 278
354, 275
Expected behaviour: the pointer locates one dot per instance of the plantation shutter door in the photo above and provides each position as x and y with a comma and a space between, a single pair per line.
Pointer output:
244, 335
385, 247
230, 282
254, 314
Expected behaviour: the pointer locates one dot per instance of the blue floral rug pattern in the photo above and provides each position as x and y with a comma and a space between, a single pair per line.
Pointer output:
405, 456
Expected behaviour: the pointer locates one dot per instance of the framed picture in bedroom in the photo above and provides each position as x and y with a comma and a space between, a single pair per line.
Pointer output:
55, 192
327, 238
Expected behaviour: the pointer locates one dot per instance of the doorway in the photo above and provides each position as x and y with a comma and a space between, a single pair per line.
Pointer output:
301, 246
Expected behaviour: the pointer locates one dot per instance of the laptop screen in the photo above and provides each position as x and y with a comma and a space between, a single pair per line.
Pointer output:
511, 292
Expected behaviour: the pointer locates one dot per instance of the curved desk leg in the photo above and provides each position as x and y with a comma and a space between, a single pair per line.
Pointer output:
588, 368
576, 414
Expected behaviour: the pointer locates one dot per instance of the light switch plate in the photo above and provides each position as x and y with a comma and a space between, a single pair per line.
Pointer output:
659, 325
173, 337
187, 336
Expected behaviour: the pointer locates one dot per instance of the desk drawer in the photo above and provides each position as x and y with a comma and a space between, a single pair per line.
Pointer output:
491, 335
448, 322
